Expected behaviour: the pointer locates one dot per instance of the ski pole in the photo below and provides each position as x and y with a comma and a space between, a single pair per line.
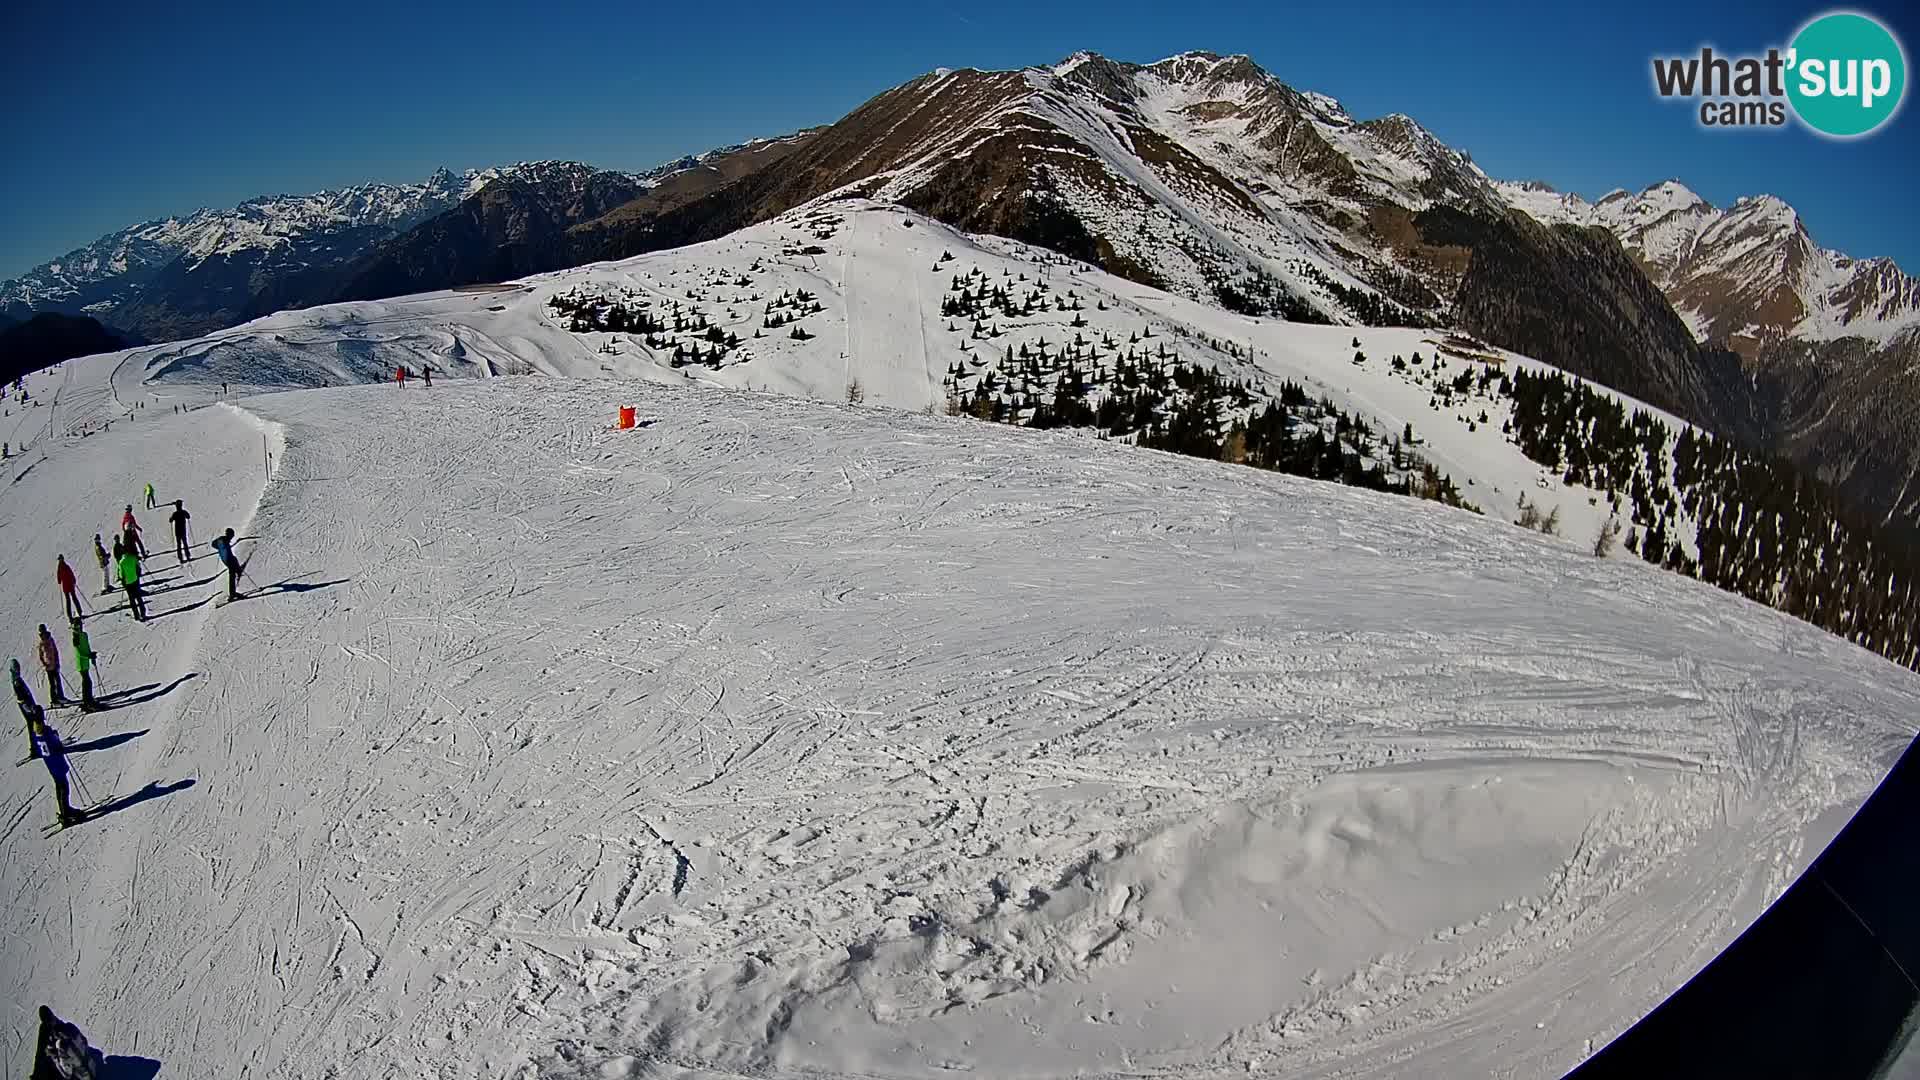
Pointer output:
79, 785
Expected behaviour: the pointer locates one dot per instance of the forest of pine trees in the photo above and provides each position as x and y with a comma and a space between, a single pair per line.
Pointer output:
683, 333
1153, 398
1137, 388
1258, 293
1750, 524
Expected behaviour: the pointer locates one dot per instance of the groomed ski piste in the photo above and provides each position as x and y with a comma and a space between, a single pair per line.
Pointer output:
786, 737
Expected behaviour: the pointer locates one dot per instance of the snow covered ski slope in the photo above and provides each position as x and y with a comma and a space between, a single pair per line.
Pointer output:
778, 738
847, 291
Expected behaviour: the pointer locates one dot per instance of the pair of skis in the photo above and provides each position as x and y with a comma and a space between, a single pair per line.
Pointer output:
223, 601
86, 814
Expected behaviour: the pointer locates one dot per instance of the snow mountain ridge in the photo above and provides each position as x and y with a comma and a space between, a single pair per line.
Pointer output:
847, 291
1201, 167
272, 234
1199, 172
1750, 274
1196, 171
1207, 176
264, 222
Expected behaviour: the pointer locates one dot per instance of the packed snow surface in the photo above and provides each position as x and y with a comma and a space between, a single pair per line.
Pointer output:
788, 738
779, 737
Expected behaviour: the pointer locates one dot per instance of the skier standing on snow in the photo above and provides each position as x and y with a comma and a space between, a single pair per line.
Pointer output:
400, 377
29, 711
131, 529
130, 581
426, 374
106, 568
54, 753
150, 503
63, 574
223, 547
179, 518
49, 655
83, 661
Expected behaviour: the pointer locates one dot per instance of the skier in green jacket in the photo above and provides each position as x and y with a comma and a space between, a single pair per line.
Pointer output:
130, 581
83, 660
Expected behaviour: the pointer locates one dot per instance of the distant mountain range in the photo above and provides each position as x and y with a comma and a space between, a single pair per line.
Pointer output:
180, 276
1201, 174
1750, 275
184, 276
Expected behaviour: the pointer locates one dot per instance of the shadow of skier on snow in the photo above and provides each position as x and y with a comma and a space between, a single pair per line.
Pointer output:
292, 585
105, 742
140, 695
129, 1067
184, 585
203, 601
155, 790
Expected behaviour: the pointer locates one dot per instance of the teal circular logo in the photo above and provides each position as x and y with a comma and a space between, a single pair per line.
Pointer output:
1847, 74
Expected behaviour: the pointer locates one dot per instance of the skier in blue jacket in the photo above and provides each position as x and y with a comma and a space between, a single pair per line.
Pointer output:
223, 547
54, 753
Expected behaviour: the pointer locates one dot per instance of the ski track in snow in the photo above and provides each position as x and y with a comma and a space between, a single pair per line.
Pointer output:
782, 738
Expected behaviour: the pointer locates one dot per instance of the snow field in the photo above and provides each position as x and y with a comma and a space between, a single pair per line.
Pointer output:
779, 738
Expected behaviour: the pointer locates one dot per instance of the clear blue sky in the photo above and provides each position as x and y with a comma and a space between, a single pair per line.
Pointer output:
118, 111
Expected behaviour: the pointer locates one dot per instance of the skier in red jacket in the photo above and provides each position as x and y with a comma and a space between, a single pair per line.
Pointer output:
63, 574
400, 377
130, 529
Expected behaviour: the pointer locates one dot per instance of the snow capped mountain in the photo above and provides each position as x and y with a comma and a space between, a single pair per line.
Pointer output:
1208, 176
179, 274
1748, 275
1202, 173
267, 222
1540, 200
1829, 344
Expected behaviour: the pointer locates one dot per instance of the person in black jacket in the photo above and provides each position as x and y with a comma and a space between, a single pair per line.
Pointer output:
223, 547
29, 711
179, 517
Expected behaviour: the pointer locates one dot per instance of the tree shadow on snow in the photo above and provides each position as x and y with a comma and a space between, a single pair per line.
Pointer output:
105, 742
140, 695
